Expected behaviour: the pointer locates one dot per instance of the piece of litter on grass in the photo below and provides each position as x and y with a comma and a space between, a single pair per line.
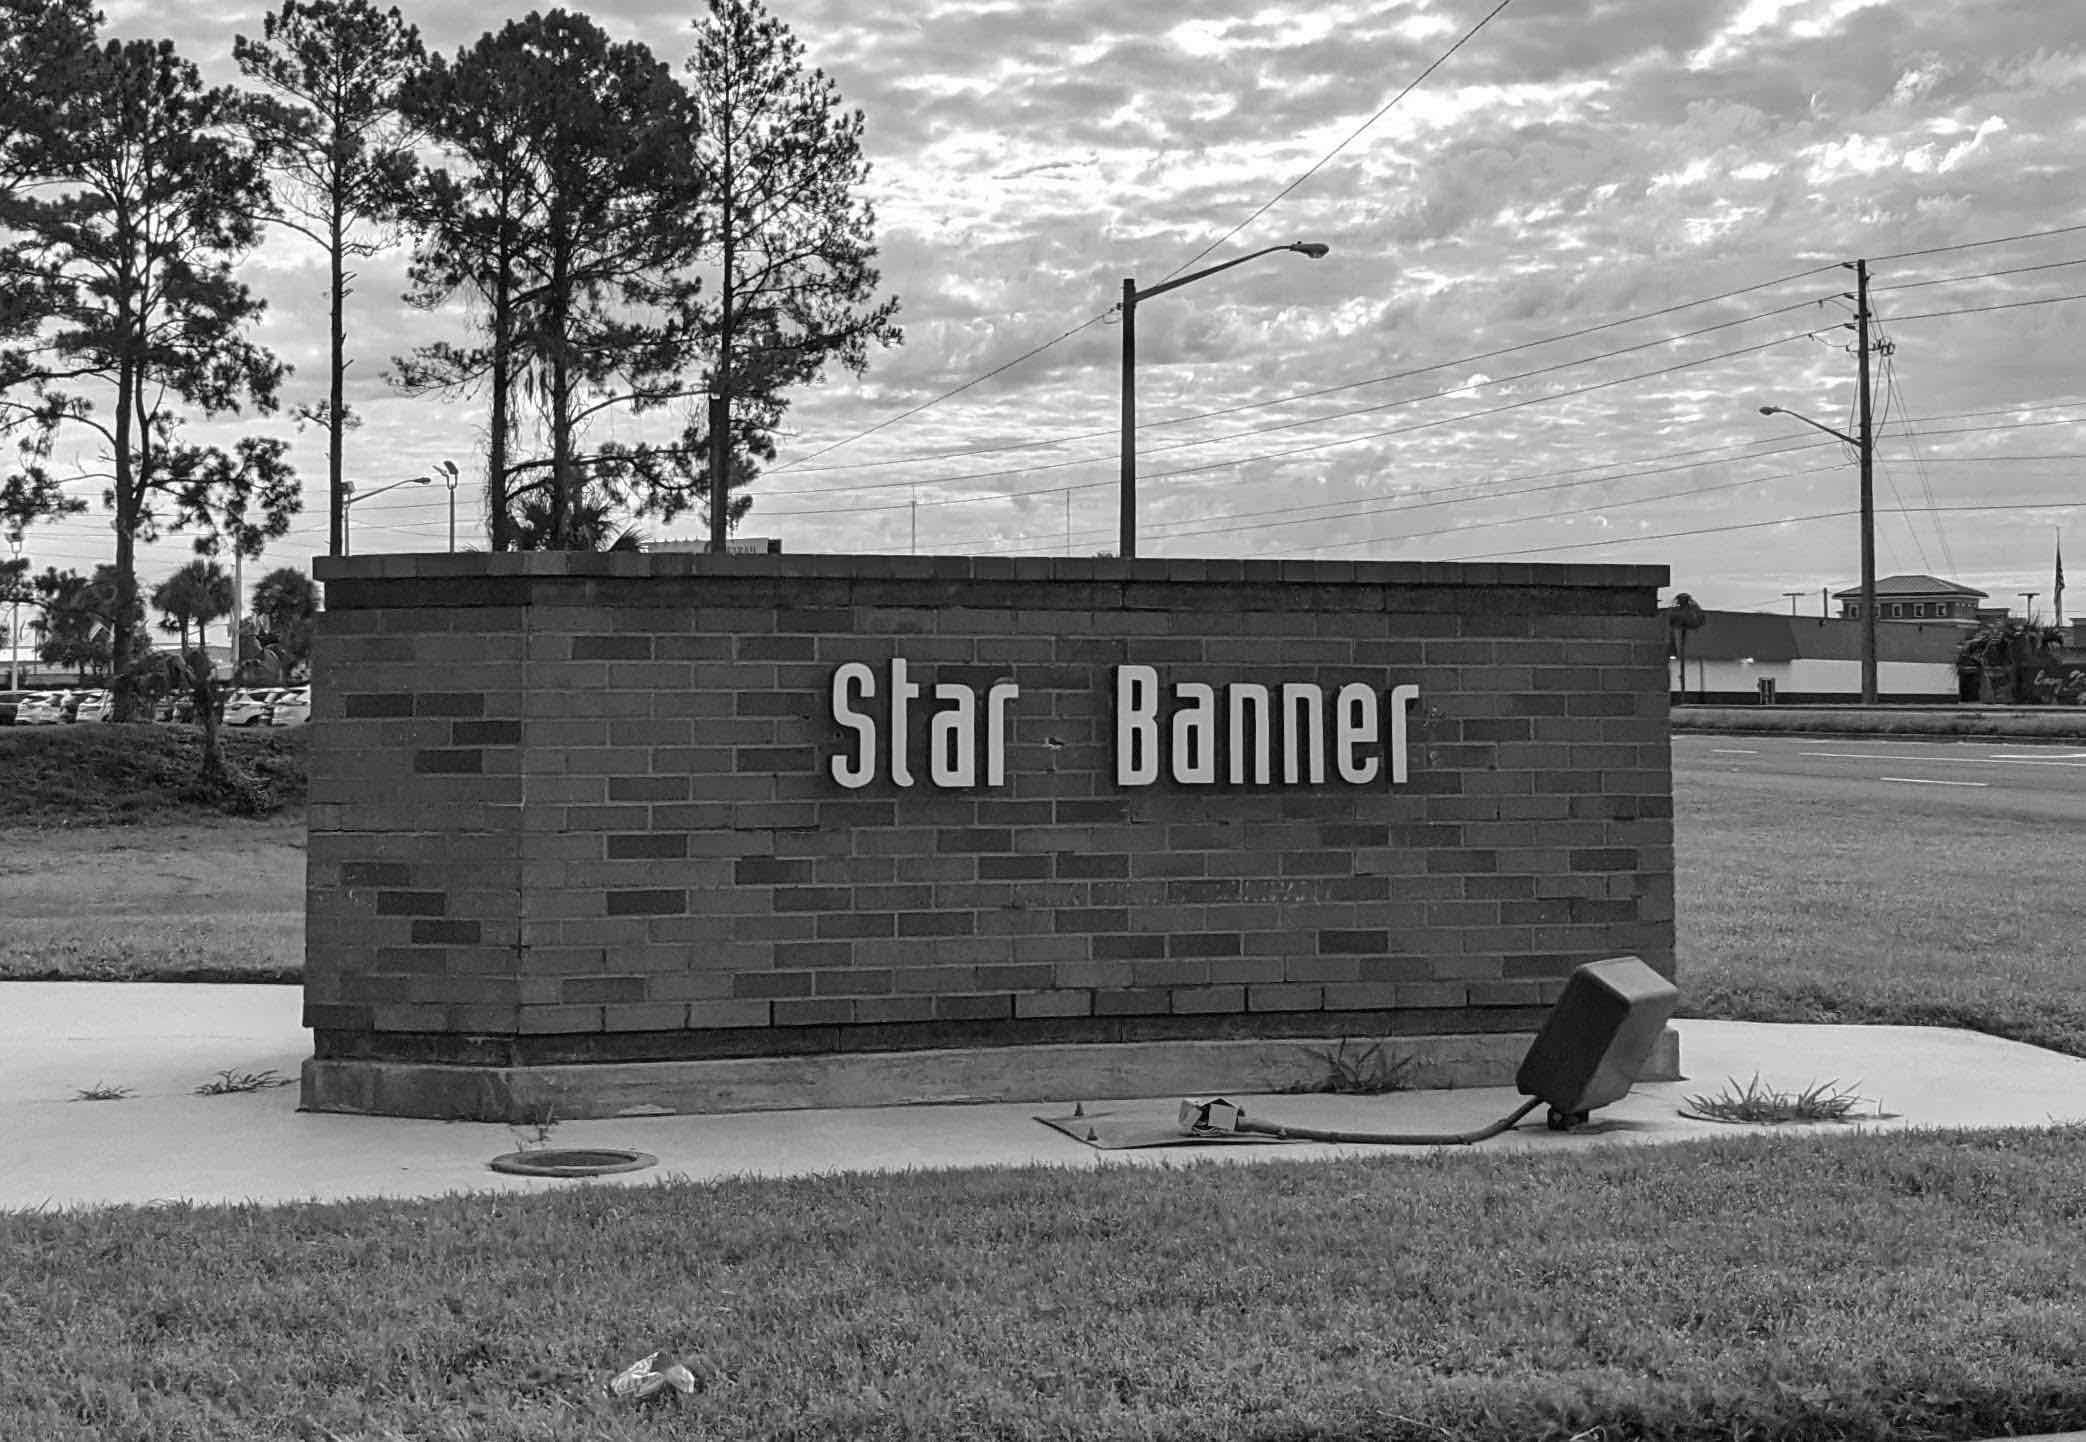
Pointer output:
641, 1380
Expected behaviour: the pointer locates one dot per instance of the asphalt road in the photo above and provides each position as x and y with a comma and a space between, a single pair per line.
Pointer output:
2030, 780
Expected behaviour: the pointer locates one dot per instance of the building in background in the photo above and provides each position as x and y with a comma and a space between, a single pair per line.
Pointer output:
1916, 598
734, 545
1753, 657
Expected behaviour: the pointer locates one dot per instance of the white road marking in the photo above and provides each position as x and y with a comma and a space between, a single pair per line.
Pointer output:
1730, 751
1929, 781
1944, 760
1881, 756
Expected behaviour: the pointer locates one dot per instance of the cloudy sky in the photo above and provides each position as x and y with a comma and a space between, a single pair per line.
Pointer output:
1566, 270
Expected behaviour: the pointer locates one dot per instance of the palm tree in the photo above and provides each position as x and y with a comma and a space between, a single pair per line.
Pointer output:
285, 601
1682, 617
589, 519
200, 592
2004, 653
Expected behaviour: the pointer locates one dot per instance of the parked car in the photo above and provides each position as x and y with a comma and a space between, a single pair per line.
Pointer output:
291, 707
10, 702
180, 707
249, 708
71, 703
41, 708
94, 706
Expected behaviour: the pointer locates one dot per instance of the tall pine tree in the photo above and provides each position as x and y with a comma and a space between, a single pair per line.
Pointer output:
332, 134
779, 175
138, 200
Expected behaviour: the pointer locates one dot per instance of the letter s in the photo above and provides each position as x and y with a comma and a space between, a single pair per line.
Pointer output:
855, 680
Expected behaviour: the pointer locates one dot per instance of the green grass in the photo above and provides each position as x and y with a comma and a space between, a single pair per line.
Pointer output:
1876, 908
1758, 1104
2028, 722
1752, 1287
99, 775
210, 900
1862, 1286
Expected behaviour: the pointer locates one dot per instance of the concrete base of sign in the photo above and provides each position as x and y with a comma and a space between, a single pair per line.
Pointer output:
880, 1079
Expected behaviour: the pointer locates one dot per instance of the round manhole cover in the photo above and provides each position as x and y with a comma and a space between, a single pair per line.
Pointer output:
573, 1162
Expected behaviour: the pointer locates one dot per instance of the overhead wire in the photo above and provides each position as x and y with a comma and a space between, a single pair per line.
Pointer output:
1408, 374
1979, 244
1356, 134
1097, 319
1361, 506
1304, 422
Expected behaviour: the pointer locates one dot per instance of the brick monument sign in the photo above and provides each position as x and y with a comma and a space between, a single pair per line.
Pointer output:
593, 834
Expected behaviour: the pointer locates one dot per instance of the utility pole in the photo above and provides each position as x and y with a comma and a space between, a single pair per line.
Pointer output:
238, 604
1864, 442
1791, 597
1866, 445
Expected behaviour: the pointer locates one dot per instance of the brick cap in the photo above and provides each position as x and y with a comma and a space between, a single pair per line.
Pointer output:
1044, 569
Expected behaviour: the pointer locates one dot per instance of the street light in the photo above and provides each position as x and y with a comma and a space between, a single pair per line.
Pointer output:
14, 621
1127, 546
349, 497
1863, 448
448, 470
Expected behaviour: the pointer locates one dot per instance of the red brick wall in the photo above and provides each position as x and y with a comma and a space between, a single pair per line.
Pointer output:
581, 807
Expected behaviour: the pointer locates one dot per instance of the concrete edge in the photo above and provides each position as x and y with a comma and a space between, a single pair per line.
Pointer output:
882, 1079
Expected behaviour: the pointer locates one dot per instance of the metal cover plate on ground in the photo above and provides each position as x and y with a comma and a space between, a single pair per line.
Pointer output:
573, 1162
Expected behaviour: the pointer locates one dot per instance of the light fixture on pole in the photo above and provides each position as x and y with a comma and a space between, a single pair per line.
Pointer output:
2027, 603
448, 470
1127, 546
1864, 449
14, 620
350, 497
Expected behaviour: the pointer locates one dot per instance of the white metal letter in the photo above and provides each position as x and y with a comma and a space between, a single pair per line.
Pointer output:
1402, 698
1136, 725
952, 737
1355, 724
1303, 733
849, 682
997, 702
902, 691
1195, 734
1248, 705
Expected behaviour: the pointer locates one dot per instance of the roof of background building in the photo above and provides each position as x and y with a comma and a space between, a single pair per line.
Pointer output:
1761, 636
1911, 586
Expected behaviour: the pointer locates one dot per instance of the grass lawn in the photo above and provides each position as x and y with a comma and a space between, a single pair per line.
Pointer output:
94, 775
115, 865
1878, 1287
1876, 907
1918, 1285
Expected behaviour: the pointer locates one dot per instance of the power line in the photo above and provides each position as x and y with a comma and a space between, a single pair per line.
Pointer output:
1364, 410
1982, 309
1408, 374
1978, 275
1375, 505
957, 391
1977, 244
1413, 85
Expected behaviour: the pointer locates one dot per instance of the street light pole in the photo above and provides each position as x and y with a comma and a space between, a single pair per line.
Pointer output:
14, 621
1127, 542
448, 470
350, 497
1868, 541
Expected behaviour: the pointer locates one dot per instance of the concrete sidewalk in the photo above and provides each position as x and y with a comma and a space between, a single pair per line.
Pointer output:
164, 1142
